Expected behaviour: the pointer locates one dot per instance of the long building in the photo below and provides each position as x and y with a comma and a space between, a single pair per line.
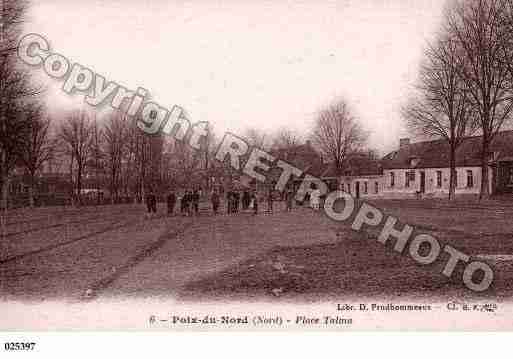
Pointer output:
422, 169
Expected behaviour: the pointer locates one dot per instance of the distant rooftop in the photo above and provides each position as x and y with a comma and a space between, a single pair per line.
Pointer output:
436, 153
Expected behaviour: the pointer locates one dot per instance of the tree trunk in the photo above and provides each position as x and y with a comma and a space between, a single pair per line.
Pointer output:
453, 174
71, 180
79, 183
112, 185
31, 190
115, 186
97, 172
485, 193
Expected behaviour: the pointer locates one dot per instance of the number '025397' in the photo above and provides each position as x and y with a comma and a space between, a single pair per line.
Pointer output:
19, 346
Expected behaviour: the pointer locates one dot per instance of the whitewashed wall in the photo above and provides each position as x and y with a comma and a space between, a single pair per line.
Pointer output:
350, 182
400, 189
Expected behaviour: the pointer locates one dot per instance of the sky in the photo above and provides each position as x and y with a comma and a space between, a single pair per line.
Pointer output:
241, 63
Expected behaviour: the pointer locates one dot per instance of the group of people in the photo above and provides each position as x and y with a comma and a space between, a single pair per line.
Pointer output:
189, 203
235, 200
250, 200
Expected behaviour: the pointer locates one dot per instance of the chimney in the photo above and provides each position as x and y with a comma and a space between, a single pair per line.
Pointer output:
404, 142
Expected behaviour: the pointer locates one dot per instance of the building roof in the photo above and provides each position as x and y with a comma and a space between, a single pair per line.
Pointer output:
303, 157
308, 160
436, 154
356, 165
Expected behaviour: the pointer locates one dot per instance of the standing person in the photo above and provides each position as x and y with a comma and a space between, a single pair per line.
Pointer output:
215, 202
254, 202
195, 201
233, 199
152, 201
148, 203
307, 199
171, 202
246, 198
182, 204
188, 203
315, 199
229, 202
185, 203
270, 201
236, 201
289, 197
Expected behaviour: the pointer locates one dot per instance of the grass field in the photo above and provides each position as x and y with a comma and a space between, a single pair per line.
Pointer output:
115, 251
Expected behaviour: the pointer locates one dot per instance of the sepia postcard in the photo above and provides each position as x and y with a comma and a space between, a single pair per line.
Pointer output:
298, 165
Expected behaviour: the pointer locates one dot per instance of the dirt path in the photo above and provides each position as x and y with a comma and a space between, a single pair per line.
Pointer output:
214, 243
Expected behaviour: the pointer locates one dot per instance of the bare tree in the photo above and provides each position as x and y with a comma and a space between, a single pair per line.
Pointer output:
257, 138
130, 166
143, 157
115, 134
184, 163
96, 162
208, 148
338, 134
37, 147
76, 133
287, 142
477, 25
442, 106
507, 44
15, 88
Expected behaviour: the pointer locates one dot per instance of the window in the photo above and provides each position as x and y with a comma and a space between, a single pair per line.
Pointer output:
392, 179
365, 187
376, 187
470, 179
410, 177
439, 179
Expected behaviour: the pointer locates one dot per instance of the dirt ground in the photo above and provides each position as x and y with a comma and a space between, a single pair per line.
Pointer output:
116, 251
357, 266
